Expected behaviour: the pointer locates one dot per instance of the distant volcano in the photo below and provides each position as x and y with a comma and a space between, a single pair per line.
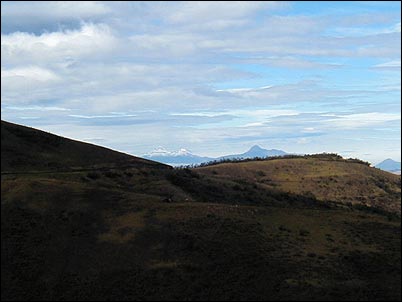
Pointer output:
256, 151
389, 165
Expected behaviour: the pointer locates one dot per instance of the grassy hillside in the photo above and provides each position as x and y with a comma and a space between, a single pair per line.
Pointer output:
68, 238
28, 149
147, 232
328, 179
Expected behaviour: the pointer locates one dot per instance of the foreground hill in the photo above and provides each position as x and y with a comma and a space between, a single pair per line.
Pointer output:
26, 149
142, 232
326, 177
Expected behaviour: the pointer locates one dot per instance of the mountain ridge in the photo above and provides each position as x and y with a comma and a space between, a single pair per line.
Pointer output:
180, 157
185, 157
255, 151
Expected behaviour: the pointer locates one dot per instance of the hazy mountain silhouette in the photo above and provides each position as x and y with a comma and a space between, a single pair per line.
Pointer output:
389, 165
256, 151
185, 157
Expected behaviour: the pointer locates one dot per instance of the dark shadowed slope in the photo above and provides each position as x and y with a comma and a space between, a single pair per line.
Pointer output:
28, 149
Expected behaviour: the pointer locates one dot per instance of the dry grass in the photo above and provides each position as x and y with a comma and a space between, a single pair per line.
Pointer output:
327, 180
123, 228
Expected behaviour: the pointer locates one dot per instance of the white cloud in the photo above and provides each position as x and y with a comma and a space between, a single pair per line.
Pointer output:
360, 120
37, 108
204, 11
102, 116
309, 130
31, 73
243, 90
257, 124
290, 62
397, 27
389, 65
164, 69
89, 41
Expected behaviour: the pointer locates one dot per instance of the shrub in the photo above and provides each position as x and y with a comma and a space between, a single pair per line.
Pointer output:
236, 188
304, 233
111, 174
93, 175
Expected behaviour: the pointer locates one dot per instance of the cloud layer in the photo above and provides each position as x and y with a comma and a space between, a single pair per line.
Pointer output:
215, 77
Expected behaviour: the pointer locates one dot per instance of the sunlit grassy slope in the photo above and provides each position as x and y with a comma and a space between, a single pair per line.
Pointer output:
148, 232
325, 178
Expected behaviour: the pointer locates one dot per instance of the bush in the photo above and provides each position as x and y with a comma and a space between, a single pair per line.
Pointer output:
304, 233
111, 174
236, 188
358, 161
93, 175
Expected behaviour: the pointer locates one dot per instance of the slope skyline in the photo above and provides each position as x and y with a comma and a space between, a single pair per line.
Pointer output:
184, 156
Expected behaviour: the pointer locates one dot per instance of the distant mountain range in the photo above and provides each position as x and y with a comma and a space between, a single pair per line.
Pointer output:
390, 166
185, 157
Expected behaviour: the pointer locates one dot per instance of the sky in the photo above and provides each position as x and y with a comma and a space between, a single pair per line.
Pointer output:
212, 77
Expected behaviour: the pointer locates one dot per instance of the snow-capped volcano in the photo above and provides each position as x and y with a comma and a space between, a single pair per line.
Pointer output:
179, 157
160, 151
183, 151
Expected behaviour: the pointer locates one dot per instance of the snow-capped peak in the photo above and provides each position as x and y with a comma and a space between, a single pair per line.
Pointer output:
160, 151
182, 151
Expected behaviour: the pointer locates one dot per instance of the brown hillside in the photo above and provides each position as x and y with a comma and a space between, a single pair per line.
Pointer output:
327, 179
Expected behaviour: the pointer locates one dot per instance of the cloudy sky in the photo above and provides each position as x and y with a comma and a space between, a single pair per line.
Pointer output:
212, 77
